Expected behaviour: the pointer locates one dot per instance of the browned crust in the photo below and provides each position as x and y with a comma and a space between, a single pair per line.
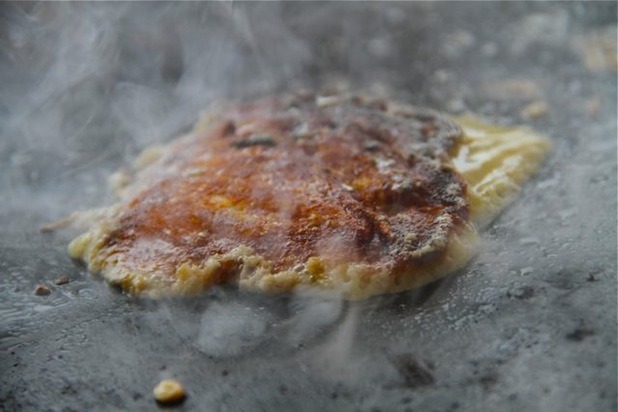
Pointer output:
345, 194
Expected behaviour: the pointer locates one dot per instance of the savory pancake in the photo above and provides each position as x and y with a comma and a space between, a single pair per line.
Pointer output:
357, 196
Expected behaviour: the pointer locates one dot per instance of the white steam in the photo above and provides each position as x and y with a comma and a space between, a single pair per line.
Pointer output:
89, 82
231, 328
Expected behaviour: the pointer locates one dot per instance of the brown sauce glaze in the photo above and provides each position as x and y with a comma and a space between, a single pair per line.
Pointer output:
353, 180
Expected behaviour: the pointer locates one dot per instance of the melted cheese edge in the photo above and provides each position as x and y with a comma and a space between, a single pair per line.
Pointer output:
496, 161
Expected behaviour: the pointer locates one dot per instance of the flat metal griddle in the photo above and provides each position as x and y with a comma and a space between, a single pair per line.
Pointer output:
529, 325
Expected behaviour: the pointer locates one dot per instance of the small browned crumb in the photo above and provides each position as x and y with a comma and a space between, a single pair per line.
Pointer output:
61, 281
42, 290
535, 110
169, 391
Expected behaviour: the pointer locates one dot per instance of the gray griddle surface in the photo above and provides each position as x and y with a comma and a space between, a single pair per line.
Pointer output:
530, 324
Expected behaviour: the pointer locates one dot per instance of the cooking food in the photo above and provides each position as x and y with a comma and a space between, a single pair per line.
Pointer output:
340, 193
169, 391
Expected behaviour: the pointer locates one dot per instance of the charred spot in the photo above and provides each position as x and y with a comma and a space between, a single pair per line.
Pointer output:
369, 129
371, 146
255, 140
425, 115
429, 129
228, 128
328, 123
378, 104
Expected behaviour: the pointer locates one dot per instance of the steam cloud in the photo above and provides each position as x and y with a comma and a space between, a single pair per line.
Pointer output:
88, 85
96, 83
85, 86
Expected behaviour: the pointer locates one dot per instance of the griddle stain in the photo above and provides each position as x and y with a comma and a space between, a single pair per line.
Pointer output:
413, 372
580, 334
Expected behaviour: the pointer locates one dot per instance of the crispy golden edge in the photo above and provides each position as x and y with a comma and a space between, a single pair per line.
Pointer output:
351, 281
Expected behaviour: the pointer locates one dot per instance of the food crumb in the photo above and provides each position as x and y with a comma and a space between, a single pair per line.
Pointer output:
42, 290
169, 391
61, 281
